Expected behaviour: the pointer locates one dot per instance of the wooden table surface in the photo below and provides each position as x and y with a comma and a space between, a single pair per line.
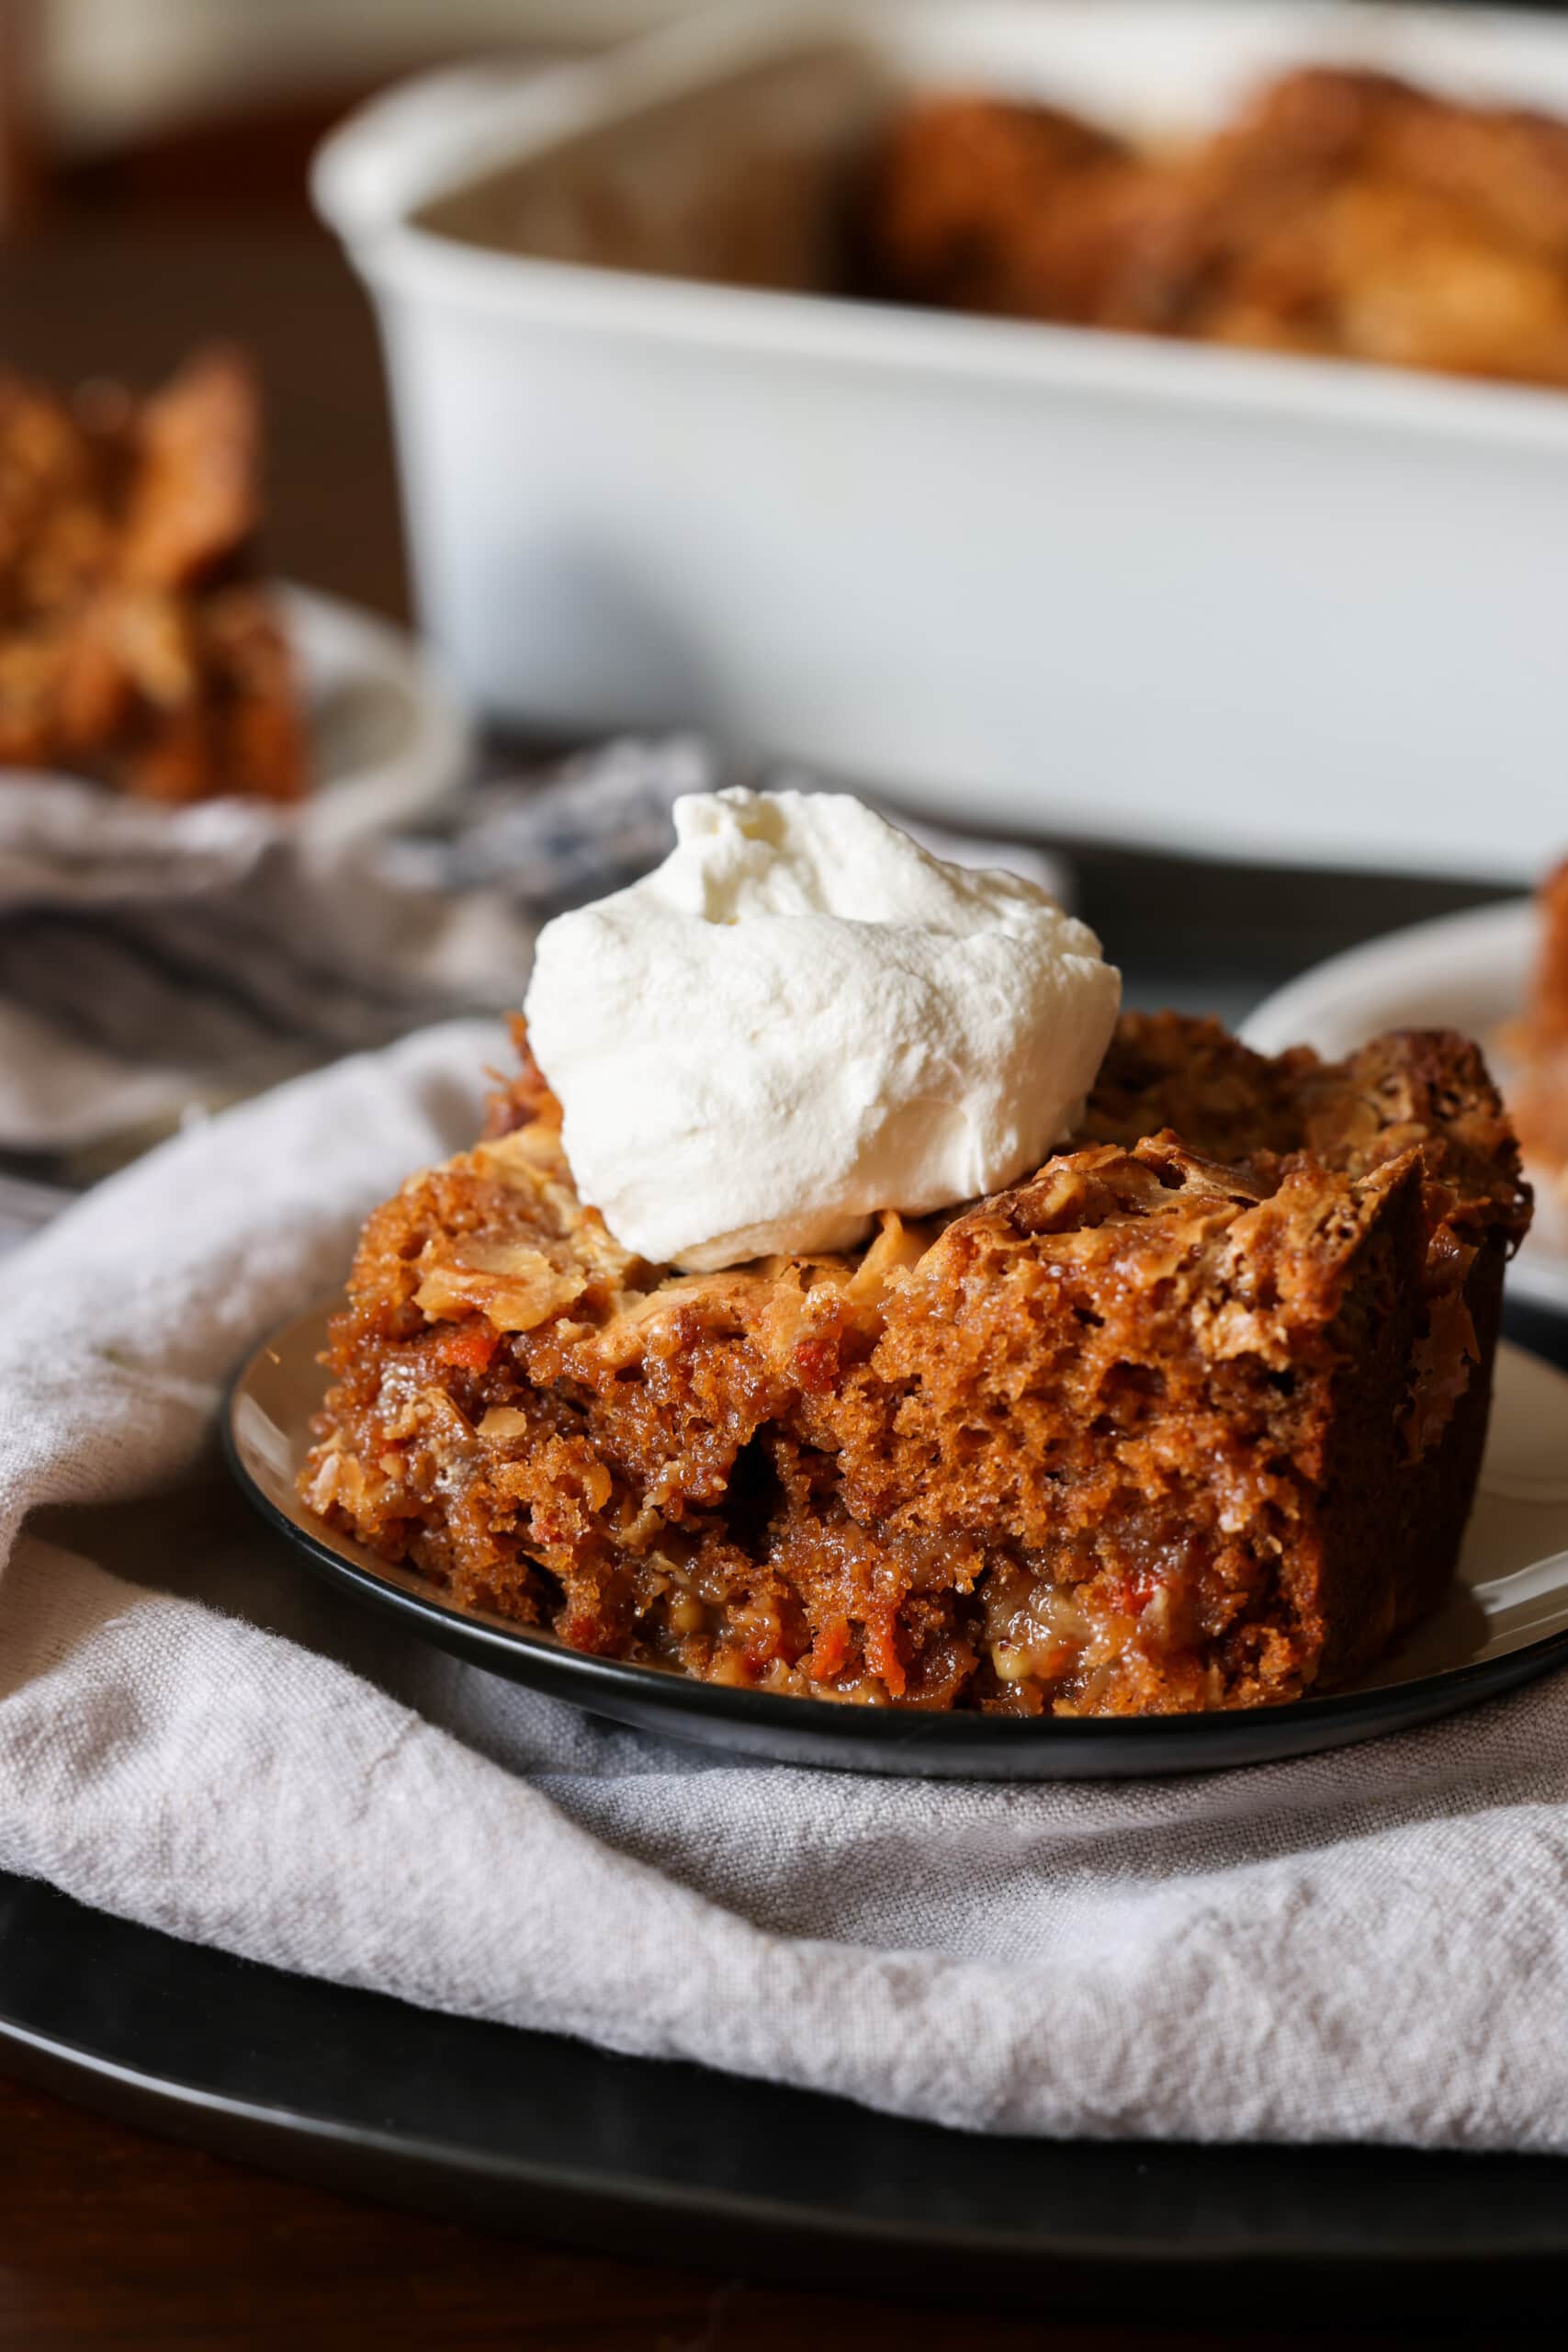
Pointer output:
113, 2239
110, 2237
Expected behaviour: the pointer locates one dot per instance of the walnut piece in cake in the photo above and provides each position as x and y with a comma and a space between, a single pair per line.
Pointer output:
1190, 1420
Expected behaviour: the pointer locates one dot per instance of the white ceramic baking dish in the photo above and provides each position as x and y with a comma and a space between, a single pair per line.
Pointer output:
1092, 583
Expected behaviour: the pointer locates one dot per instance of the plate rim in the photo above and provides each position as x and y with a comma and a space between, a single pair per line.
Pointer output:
1487, 933
1269, 1029
875, 1728
423, 774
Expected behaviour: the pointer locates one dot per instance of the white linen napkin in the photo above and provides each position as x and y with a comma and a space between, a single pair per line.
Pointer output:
195, 1734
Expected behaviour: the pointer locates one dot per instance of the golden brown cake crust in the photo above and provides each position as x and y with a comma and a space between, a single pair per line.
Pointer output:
1190, 1420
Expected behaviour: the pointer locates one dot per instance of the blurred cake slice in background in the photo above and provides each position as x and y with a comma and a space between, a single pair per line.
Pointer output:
137, 646
1538, 1048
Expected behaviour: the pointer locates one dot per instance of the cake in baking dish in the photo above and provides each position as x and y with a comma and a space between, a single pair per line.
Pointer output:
1341, 213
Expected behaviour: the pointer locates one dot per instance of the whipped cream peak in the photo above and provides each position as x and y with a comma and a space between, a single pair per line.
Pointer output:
739, 853
802, 1017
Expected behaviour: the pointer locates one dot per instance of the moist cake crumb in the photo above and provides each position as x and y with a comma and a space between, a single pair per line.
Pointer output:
1192, 1419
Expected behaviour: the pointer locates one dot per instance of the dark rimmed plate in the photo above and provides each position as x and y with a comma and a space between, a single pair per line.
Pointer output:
1505, 1621
490, 2123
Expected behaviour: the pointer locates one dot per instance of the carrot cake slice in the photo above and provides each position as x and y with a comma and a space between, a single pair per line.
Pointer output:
1187, 1418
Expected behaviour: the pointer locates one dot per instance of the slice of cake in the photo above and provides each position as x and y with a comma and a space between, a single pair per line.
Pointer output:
1189, 1419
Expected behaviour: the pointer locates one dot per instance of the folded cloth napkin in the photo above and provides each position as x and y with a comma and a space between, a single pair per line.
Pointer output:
154, 960
1372, 1945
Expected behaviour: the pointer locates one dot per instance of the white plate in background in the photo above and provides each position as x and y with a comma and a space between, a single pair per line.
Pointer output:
1470, 972
388, 739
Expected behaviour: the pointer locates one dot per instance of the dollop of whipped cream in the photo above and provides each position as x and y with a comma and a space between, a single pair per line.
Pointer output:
803, 1017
